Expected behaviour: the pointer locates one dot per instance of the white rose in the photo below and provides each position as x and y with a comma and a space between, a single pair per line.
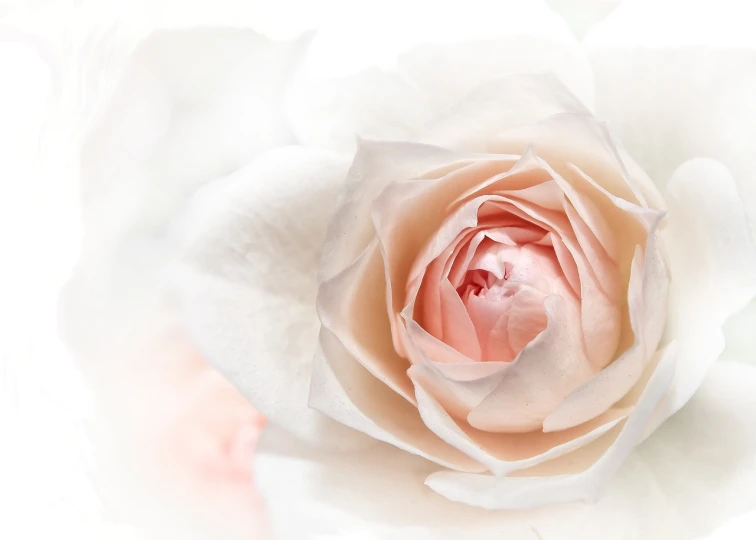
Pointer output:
253, 240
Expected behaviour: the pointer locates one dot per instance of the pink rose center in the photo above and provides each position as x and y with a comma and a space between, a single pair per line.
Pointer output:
483, 296
507, 278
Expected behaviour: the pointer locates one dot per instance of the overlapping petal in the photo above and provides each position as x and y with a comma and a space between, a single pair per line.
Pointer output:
248, 281
695, 472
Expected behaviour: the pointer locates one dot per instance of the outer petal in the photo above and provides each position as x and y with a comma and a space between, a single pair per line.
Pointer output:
346, 392
375, 166
514, 100
248, 282
672, 92
505, 453
557, 485
354, 81
696, 471
713, 267
569, 140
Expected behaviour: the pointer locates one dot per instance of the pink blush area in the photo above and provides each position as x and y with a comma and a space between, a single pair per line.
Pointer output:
189, 436
483, 296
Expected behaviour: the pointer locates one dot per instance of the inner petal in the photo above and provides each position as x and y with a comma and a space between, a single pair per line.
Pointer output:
491, 298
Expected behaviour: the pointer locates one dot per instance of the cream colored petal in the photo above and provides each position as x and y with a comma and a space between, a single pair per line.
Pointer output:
511, 101
647, 304
375, 494
430, 348
247, 283
375, 165
585, 143
547, 370
457, 398
352, 305
630, 221
522, 492
566, 261
713, 269
345, 391
695, 472
504, 453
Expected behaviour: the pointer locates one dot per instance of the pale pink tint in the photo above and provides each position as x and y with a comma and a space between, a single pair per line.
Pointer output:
499, 286
191, 433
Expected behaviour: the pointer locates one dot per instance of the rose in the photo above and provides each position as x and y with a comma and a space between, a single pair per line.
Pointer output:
253, 241
225, 282
526, 292
238, 306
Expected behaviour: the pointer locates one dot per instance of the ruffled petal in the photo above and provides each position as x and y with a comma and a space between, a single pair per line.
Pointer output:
352, 305
694, 473
712, 261
247, 284
547, 370
375, 166
496, 105
567, 141
345, 391
590, 475
647, 311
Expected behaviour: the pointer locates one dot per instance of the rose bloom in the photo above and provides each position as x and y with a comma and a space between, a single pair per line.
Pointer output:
527, 295
468, 270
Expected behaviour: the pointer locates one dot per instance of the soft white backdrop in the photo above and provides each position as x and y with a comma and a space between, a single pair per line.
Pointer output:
59, 61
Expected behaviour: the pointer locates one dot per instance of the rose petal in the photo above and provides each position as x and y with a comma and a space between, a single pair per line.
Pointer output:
375, 165
696, 471
458, 329
378, 493
345, 391
352, 306
498, 104
647, 307
247, 286
493, 492
504, 453
458, 397
599, 315
577, 140
545, 371
713, 266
